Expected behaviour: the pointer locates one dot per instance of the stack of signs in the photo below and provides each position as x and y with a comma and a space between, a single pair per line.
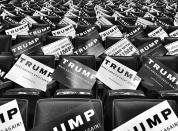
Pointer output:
143, 22
65, 31
174, 33
40, 31
117, 76
74, 74
158, 118
30, 46
31, 73
153, 47
172, 48
157, 74
11, 118
122, 48
92, 47
19, 30
159, 32
59, 47
80, 118
111, 32
89, 33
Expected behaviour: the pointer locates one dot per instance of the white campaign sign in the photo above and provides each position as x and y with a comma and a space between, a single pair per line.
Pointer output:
158, 118
117, 76
68, 21
103, 21
143, 22
111, 32
30, 73
172, 48
159, 32
66, 31
28, 20
174, 33
11, 119
60, 47
19, 30
122, 48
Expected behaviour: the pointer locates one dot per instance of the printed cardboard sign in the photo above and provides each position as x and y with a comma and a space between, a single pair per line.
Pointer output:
149, 15
68, 21
122, 48
136, 33
172, 48
66, 31
38, 13
117, 76
158, 118
157, 74
28, 20
74, 74
31, 73
143, 22
6, 13
111, 32
31, 46
103, 21
87, 32
47, 21
11, 118
40, 31
19, 30
82, 117
174, 33
122, 21
10, 20
152, 48
92, 47
159, 32
59, 47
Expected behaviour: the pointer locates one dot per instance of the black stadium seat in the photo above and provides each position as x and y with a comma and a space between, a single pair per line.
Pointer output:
126, 109
48, 109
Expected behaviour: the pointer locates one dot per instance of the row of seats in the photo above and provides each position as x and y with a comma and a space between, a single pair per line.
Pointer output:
112, 115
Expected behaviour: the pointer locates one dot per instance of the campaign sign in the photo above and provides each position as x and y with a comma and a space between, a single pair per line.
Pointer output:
174, 33
19, 30
112, 32
31, 46
157, 74
59, 47
74, 74
172, 48
143, 22
158, 118
11, 119
152, 48
117, 76
30, 73
122, 48
159, 32
40, 31
10, 20
92, 47
135, 33
80, 118
67, 21
103, 21
28, 20
90, 32
65, 31
47, 21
